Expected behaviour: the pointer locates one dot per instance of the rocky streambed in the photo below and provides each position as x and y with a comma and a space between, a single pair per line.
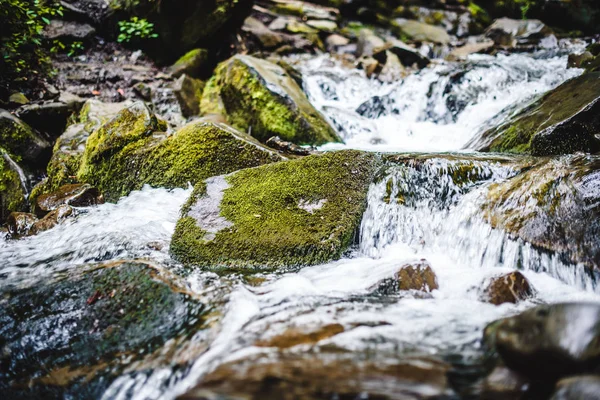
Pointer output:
336, 201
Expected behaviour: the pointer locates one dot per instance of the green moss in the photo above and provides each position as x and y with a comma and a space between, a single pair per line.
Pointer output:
300, 212
516, 135
12, 194
197, 151
20, 141
211, 102
260, 97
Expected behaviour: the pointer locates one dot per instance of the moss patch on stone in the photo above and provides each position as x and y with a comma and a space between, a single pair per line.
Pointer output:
259, 97
558, 105
300, 212
22, 142
12, 194
141, 154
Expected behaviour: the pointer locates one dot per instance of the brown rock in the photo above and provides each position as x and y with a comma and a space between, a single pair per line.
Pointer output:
20, 223
578, 60
293, 336
417, 276
324, 376
188, 92
508, 288
76, 195
276, 143
51, 219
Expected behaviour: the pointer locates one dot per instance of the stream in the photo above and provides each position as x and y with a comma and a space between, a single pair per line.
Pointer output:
414, 211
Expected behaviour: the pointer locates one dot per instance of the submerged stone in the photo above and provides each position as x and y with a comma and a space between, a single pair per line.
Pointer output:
548, 342
507, 288
417, 276
131, 150
52, 219
20, 223
289, 376
93, 324
261, 98
299, 212
564, 120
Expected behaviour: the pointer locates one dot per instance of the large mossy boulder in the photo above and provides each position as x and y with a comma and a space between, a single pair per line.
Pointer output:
132, 150
564, 120
299, 212
12, 192
22, 142
260, 97
60, 333
553, 205
548, 342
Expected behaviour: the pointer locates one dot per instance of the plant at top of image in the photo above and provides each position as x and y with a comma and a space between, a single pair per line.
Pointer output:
135, 29
22, 54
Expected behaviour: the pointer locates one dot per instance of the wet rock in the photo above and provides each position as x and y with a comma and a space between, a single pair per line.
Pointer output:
21, 140
260, 97
305, 10
508, 32
392, 70
52, 219
577, 387
142, 90
265, 36
335, 41
276, 143
188, 92
18, 98
131, 150
328, 376
417, 276
503, 384
507, 288
20, 223
68, 31
462, 52
564, 120
294, 337
92, 319
548, 342
322, 25
276, 215
295, 26
407, 55
51, 117
375, 107
419, 31
579, 60
192, 64
12, 189
76, 195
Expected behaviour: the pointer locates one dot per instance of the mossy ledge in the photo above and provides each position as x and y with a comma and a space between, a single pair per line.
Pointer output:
295, 213
560, 122
260, 97
132, 150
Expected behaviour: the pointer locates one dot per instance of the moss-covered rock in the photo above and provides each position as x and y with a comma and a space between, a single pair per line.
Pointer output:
300, 212
60, 331
188, 92
22, 142
260, 97
69, 147
130, 151
12, 192
553, 205
191, 64
562, 121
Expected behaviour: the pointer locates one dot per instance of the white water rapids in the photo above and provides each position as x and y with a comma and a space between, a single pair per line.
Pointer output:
442, 223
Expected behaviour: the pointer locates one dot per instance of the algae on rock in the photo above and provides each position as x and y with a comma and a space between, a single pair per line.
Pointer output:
260, 97
300, 212
22, 142
564, 120
132, 150
12, 192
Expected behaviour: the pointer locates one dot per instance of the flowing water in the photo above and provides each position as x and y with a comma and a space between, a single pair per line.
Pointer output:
416, 209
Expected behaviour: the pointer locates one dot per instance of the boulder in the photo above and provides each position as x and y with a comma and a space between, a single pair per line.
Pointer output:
131, 150
260, 97
330, 375
76, 195
20, 223
407, 55
52, 219
300, 212
417, 276
419, 31
91, 318
462, 52
545, 204
548, 342
51, 117
192, 64
188, 92
508, 32
13, 192
68, 31
564, 120
507, 288
368, 42
22, 142
267, 38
